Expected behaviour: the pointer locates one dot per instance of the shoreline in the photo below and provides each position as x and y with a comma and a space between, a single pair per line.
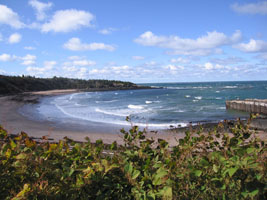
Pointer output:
14, 122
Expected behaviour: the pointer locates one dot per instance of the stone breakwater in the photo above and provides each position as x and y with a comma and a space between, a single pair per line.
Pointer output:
248, 105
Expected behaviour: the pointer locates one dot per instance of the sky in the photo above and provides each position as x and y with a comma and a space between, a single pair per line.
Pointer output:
141, 41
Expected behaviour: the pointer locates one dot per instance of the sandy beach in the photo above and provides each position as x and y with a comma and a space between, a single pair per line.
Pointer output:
14, 122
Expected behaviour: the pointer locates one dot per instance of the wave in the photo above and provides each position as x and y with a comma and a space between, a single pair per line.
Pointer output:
198, 97
135, 107
149, 102
187, 88
111, 113
229, 87
187, 96
124, 123
218, 98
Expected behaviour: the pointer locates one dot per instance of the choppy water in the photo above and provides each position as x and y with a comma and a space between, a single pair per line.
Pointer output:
174, 104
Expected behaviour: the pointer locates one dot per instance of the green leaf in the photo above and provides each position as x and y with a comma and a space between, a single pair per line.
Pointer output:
232, 171
128, 168
12, 144
244, 194
21, 156
8, 153
167, 192
250, 150
198, 173
136, 173
215, 168
71, 171
253, 193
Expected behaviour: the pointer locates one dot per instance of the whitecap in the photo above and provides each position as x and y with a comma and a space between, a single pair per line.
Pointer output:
135, 107
198, 98
230, 87
148, 102
187, 96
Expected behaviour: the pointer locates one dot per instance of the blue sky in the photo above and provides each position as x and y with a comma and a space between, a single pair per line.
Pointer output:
139, 41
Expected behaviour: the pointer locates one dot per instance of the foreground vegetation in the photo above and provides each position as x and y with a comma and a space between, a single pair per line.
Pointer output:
19, 84
203, 166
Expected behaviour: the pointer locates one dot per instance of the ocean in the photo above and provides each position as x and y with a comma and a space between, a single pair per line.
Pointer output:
168, 104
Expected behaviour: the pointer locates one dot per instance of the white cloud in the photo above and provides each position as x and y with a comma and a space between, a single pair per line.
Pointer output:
179, 60
3, 72
49, 64
75, 44
9, 17
6, 57
47, 67
210, 66
29, 48
28, 60
251, 8
120, 68
203, 45
107, 31
40, 8
80, 63
138, 57
68, 20
173, 67
252, 46
14, 38
83, 63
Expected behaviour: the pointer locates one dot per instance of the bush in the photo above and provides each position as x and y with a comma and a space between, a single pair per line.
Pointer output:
213, 165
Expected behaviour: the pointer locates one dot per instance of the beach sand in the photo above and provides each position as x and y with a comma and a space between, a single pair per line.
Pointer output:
14, 122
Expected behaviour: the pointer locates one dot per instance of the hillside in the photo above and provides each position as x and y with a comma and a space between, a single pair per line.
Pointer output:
18, 84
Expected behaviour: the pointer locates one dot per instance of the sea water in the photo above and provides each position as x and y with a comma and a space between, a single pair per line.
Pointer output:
167, 104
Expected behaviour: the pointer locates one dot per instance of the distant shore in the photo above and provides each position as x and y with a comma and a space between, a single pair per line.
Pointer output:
14, 122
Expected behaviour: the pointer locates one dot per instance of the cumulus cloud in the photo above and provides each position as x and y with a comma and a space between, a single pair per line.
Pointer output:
75, 44
68, 20
252, 46
138, 57
203, 45
9, 17
7, 57
37, 71
28, 60
40, 8
173, 68
251, 8
14, 38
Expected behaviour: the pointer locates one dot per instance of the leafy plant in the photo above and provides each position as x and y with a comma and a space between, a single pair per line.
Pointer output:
214, 165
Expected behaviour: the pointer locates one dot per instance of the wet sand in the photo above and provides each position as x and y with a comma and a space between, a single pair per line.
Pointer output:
14, 122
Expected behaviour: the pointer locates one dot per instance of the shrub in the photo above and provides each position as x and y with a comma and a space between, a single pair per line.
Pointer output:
214, 165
